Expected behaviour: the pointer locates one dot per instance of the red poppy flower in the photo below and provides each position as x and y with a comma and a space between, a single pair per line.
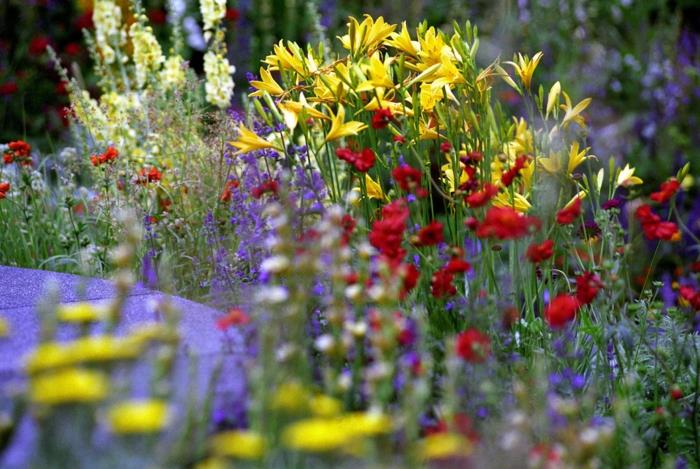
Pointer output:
387, 233
537, 253
4, 189
505, 223
510, 175
72, 48
561, 310
441, 284
690, 295
430, 234
270, 186
227, 193
381, 118
568, 215
363, 161
410, 279
482, 197
587, 286
473, 346
348, 224
18, 152
407, 177
151, 175
38, 45
457, 266
667, 190
235, 317
654, 227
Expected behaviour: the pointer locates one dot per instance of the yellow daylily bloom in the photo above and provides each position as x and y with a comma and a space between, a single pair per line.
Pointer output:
450, 177
374, 190
626, 177
517, 202
427, 132
267, 84
553, 98
554, 163
291, 110
340, 128
381, 99
248, 141
580, 195
448, 73
432, 49
525, 67
379, 74
522, 142
429, 96
138, 416
366, 36
402, 41
290, 57
573, 113
329, 88
242, 444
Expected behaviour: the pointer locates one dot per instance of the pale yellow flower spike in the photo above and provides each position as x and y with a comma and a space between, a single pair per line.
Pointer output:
525, 67
267, 84
249, 141
340, 128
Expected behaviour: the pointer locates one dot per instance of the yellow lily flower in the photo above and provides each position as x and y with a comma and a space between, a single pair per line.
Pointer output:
626, 177
429, 96
382, 100
366, 36
573, 113
292, 109
379, 74
374, 190
340, 128
518, 202
580, 195
267, 84
249, 141
553, 98
450, 177
525, 67
290, 57
432, 48
402, 41
554, 163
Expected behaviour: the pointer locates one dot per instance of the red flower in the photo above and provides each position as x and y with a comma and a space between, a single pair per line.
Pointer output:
691, 296
400, 139
508, 177
38, 45
235, 317
653, 227
233, 14
84, 21
407, 177
410, 279
472, 158
667, 190
381, 118
441, 284
152, 175
8, 88
587, 286
505, 223
270, 186
471, 223
676, 393
445, 147
363, 161
482, 197
457, 266
227, 193
348, 224
4, 189
540, 252
157, 16
72, 48
18, 152
568, 215
387, 233
473, 346
561, 310
430, 234
108, 156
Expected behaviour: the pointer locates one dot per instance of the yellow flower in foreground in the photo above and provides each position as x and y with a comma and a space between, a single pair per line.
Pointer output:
402, 41
4, 328
144, 416
291, 397
573, 113
80, 312
101, 348
445, 445
340, 128
553, 98
367, 423
267, 84
317, 435
249, 141
68, 386
525, 67
626, 177
367, 35
48, 355
374, 190
325, 406
239, 444
554, 163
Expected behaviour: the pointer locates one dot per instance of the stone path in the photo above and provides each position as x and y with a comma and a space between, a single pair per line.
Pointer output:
22, 289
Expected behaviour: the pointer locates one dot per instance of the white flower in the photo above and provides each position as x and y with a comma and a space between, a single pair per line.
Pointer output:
275, 264
212, 12
107, 17
219, 85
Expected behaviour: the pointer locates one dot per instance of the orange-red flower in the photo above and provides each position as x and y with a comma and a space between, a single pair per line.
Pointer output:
482, 197
4, 189
235, 317
110, 155
505, 223
473, 346
587, 286
381, 118
667, 190
430, 235
540, 252
362, 161
569, 214
561, 310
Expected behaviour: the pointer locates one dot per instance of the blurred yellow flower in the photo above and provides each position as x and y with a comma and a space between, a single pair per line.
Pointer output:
340, 128
138, 416
444, 445
368, 423
48, 355
68, 386
553, 98
4, 328
81, 312
322, 405
101, 348
243, 444
290, 397
248, 141
317, 435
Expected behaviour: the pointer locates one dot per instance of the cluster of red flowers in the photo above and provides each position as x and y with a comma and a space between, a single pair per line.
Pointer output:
18, 152
235, 317
430, 235
387, 232
226, 194
505, 223
409, 178
269, 186
362, 161
482, 197
654, 227
537, 253
441, 282
473, 346
146, 176
570, 213
110, 155
690, 295
667, 190
4, 189
509, 176
381, 118
562, 309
